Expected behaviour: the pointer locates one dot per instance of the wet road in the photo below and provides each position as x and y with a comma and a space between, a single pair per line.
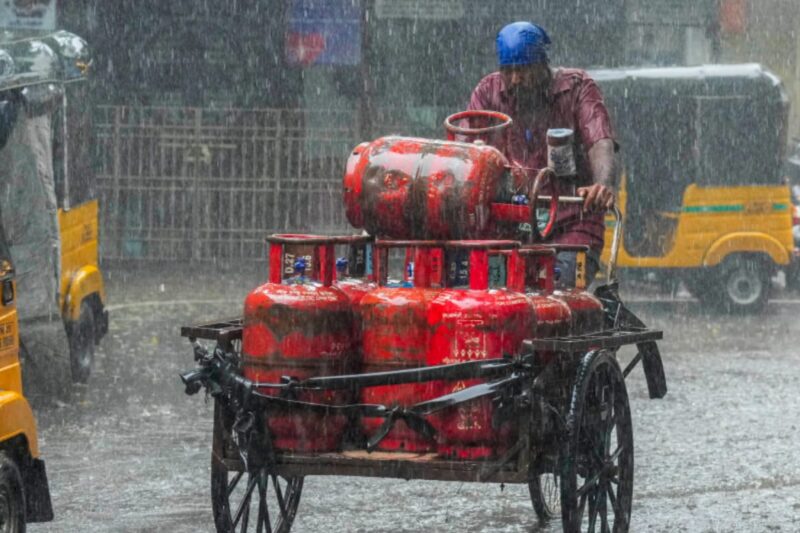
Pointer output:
719, 454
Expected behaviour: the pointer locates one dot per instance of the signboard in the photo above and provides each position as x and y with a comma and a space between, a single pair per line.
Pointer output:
420, 9
324, 32
28, 14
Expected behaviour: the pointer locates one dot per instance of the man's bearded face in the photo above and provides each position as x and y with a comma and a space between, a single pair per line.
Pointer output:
529, 84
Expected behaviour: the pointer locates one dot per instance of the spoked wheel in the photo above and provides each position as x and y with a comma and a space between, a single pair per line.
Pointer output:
253, 501
597, 455
545, 496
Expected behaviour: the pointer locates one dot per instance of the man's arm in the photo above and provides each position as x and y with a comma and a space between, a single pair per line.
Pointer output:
600, 195
478, 99
595, 128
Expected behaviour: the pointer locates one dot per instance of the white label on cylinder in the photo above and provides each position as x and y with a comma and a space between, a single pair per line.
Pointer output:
561, 160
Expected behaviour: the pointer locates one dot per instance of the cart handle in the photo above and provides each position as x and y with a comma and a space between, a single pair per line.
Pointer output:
611, 268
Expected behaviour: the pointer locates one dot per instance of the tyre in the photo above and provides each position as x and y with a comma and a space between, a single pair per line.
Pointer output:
545, 495
596, 460
743, 285
82, 344
253, 501
12, 498
257, 500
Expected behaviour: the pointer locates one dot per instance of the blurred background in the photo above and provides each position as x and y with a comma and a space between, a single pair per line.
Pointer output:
210, 118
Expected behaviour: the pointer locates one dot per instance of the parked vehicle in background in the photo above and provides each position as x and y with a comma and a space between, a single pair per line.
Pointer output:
792, 173
793, 270
48, 205
702, 192
24, 492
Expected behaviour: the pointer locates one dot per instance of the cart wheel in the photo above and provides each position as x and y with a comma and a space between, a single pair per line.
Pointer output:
81, 344
12, 500
597, 454
545, 495
253, 501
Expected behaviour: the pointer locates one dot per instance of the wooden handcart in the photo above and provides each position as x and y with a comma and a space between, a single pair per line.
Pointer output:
574, 444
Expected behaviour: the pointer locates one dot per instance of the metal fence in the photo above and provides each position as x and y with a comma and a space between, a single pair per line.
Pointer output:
204, 184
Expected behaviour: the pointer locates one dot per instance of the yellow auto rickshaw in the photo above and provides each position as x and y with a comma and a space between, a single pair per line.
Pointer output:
48, 204
702, 193
24, 492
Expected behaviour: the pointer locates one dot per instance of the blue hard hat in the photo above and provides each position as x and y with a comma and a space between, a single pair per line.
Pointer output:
522, 43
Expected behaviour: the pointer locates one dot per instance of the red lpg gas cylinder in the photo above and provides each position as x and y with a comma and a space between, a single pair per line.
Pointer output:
354, 275
298, 249
395, 334
587, 311
409, 188
301, 327
436, 266
471, 323
535, 277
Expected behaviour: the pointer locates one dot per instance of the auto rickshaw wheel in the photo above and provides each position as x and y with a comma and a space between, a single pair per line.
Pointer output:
82, 343
596, 464
12, 499
253, 501
744, 285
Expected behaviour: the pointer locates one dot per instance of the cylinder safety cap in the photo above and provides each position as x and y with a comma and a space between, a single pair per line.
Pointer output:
522, 43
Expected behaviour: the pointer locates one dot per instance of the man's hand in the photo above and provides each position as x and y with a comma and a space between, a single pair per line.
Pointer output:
597, 197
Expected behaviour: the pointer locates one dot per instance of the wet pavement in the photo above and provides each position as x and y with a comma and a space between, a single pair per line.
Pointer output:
131, 452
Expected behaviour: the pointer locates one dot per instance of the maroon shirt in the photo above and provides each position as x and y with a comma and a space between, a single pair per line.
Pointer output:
575, 103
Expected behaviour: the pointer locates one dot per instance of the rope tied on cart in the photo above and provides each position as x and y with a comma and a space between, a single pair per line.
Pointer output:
219, 374
413, 420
